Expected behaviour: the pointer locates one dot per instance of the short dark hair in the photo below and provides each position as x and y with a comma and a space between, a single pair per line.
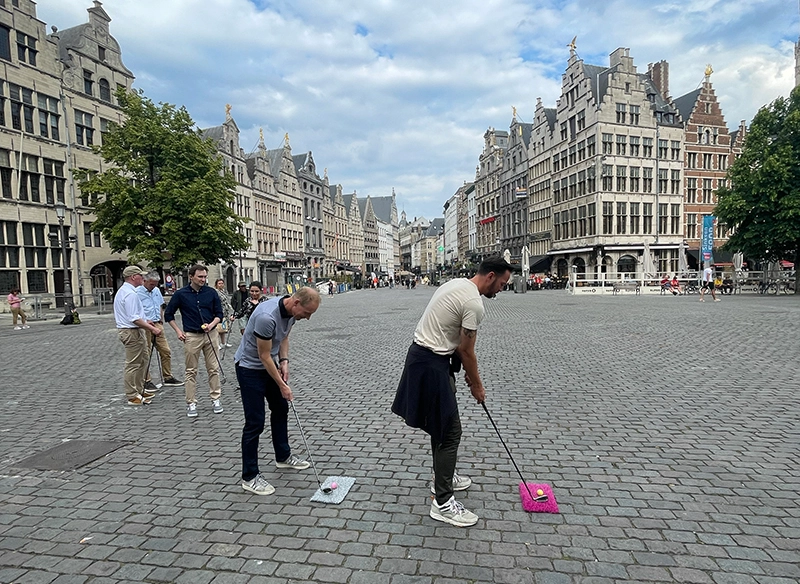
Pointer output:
255, 283
495, 264
197, 268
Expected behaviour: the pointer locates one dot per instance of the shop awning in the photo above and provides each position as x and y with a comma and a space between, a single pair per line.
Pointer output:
540, 263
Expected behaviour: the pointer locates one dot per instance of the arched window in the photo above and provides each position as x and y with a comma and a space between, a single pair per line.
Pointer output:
580, 265
626, 265
105, 90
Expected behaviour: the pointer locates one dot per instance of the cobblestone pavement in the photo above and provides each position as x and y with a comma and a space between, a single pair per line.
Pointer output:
668, 429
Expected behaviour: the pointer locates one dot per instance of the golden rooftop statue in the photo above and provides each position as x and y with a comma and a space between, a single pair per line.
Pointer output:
709, 71
572, 46
513, 112
286, 139
227, 110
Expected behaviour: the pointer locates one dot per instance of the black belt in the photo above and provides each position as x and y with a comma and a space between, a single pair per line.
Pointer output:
195, 332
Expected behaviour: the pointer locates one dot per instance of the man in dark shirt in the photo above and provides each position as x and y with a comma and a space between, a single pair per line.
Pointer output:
239, 297
201, 311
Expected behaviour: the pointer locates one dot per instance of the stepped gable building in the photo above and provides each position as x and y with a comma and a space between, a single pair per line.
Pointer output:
370, 226
355, 229
487, 191
466, 222
540, 198
708, 152
290, 210
424, 249
616, 161
514, 198
57, 101
337, 238
313, 189
385, 209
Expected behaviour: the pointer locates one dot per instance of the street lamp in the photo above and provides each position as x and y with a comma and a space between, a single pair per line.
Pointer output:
61, 210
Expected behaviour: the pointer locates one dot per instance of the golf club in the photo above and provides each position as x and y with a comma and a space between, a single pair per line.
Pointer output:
216, 355
158, 356
326, 490
537, 499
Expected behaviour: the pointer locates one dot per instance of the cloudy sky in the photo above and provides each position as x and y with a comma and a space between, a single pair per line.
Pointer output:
389, 96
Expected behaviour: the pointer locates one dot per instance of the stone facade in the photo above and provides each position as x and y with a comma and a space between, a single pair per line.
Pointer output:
514, 199
313, 189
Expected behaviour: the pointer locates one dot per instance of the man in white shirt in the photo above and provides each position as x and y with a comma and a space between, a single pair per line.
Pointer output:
708, 284
131, 327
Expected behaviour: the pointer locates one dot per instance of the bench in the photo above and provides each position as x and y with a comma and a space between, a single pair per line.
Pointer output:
634, 287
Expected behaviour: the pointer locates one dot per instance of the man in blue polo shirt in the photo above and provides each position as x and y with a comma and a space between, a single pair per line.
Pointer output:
262, 369
201, 311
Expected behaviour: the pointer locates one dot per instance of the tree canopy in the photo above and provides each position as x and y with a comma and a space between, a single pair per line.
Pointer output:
762, 200
166, 196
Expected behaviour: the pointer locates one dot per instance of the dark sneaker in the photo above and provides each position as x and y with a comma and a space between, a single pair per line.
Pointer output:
459, 483
293, 463
171, 381
453, 513
258, 485
150, 386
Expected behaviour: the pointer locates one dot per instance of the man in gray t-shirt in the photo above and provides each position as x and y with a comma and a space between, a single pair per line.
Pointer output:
262, 369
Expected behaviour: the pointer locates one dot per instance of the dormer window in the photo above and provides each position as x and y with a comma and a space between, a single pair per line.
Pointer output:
101, 53
87, 82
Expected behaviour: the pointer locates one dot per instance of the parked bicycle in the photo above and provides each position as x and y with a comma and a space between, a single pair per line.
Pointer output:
767, 288
690, 288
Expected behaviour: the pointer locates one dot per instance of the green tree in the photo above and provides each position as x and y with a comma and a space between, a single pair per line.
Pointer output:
166, 196
762, 202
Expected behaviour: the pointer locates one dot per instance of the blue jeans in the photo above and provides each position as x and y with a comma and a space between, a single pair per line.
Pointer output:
256, 385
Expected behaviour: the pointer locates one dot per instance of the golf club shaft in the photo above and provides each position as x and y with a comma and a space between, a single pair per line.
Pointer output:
310, 458
524, 482
216, 355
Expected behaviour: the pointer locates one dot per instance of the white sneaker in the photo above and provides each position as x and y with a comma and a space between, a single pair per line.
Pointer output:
218, 407
191, 410
25, 326
293, 463
717, 300
459, 483
258, 485
453, 513
17, 328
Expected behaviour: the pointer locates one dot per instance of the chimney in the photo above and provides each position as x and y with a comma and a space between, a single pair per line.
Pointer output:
659, 74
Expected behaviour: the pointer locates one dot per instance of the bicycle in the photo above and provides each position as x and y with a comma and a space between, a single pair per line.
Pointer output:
786, 287
767, 288
690, 288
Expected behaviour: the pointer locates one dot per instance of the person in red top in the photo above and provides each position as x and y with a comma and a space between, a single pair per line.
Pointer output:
676, 285
15, 303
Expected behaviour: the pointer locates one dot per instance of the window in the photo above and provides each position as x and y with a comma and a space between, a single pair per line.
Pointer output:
557, 225
581, 150
581, 183
591, 181
675, 218
707, 191
53, 181
573, 186
691, 226
675, 147
9, 245
621, 178
2, 104
647, 180
662, 149
21, 107
29, 181
581, 120
691, 190
105, 90
5, 43
663, 175
573, 223
675, 182
608, 145
634, 172
582, 221
104, 126
707, 161
691, 160
608, 178
556, 164
5, 174
647, 147
647, 214
634, 112
634, 144
592, 211
621, 143
572, 155
90, 238
556, 191
722, 161
608, 218
635, 218
622, 217
48, 116
26, 48
84, 133
87, 82
101, 53
662, 217
564, 130
35, 245
590, 146
621, 113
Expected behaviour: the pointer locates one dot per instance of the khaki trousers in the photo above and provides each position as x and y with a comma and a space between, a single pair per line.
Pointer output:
206, 343
135, 360
162, 346
15, 312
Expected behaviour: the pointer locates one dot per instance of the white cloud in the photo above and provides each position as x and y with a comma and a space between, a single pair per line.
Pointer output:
391, 94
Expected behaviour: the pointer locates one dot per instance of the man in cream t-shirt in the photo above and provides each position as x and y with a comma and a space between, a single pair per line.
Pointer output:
444, 340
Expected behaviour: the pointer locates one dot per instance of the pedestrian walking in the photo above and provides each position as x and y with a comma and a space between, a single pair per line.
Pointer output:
227, 313
17, 314
201, 312
708, 284
239, 297
262, 369
444, 340
248, 306
132, 326
153, 303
